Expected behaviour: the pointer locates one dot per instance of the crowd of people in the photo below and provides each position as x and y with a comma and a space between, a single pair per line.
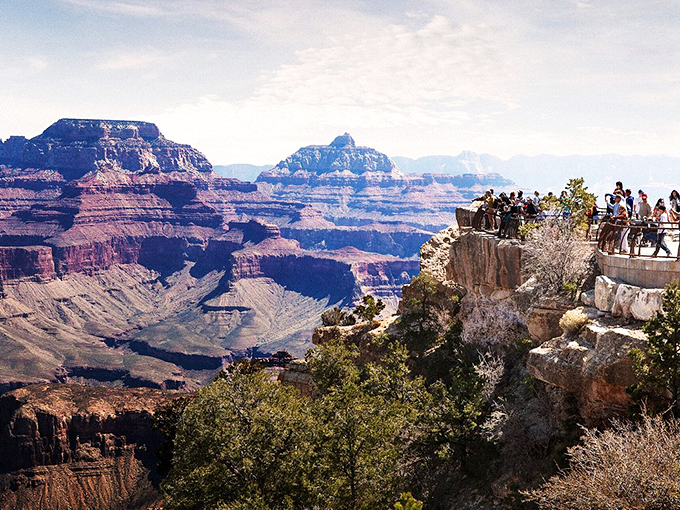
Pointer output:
625, 210
501, 209
622, 209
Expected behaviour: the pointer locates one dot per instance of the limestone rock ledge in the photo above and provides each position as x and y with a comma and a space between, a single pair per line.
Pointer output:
593, 366
78, 447
296, 374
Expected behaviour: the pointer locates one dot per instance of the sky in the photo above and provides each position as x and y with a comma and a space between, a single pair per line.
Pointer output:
251, 82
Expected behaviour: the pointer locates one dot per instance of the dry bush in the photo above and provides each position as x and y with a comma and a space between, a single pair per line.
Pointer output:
490, 368
557, 255
630, 466
573, 321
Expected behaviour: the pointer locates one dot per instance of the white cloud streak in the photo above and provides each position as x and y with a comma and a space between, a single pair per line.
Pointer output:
437, 74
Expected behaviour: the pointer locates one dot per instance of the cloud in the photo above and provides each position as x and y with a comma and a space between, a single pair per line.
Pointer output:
137, 9
438, 74
134, 60
36, 63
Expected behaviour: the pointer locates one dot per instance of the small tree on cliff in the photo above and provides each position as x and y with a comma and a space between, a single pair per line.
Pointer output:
369, 308
424, 317
574, 205
558, 257
242, 439
657, 366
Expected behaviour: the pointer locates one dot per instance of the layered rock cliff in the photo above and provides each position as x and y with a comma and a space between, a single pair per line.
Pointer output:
69, 446
74, 147
500, 307
133, 262
355, 186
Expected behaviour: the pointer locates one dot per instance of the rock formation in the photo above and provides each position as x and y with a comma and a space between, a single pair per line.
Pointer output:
356, 186
74, 147
69, 446
152, 270
499, 308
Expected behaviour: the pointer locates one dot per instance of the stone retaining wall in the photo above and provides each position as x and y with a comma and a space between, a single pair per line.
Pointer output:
640, 271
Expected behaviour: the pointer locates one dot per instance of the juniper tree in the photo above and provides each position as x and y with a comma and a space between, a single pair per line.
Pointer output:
657, 366
242, 439
369, 308
337, 317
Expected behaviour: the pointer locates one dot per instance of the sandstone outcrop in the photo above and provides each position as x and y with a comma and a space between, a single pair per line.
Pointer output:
626, 301
74, 147
499, 306
593, 366
296, 374
70, 446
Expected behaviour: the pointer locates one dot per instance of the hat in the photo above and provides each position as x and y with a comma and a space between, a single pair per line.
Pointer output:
640, 191
644, 195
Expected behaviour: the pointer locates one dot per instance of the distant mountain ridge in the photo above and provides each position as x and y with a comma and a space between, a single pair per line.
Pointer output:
355, 185
241, 171
656, 173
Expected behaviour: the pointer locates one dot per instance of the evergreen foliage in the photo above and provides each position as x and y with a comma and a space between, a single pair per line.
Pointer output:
369, 308
243, 437
575, 205
408, 502
657, 367
422, 320
337, 317
407, 415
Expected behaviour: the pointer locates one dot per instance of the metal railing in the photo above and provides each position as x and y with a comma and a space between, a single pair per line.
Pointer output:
635, 238
502, 224
631, 237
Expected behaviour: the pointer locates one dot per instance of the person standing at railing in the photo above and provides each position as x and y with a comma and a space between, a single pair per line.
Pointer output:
662, 218
616, 205
644, 208
629, 202
636, 204
674, 203
621, 218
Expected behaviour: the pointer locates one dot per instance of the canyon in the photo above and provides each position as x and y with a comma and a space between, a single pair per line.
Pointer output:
67, 432
125, 259
72, 446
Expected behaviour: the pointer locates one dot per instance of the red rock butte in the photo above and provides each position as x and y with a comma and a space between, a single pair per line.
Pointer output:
125, 258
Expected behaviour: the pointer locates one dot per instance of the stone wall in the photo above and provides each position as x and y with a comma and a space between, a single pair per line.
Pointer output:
639, 271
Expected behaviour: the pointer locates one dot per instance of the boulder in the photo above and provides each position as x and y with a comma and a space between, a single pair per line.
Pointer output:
646, 303
605, 292
595, 367
623, 300
544, 323
588, 297
296, 374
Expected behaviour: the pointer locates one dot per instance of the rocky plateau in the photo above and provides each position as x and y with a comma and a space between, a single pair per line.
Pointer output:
72, 446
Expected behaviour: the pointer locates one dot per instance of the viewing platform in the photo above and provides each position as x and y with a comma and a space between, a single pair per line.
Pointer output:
632, 261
